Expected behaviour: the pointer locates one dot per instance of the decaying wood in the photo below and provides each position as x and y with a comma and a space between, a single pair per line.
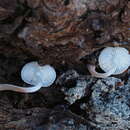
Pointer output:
38, 118
55, 31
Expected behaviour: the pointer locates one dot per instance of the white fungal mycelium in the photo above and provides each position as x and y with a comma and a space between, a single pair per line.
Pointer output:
35, 75
112, 60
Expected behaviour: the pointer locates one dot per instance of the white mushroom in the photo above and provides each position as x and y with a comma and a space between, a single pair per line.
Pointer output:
112, 60
35, 75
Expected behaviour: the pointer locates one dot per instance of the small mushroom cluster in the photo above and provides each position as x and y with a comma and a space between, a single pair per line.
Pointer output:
112, 60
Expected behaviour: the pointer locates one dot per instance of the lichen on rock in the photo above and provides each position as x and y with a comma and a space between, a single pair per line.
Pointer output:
78, 89
109, 105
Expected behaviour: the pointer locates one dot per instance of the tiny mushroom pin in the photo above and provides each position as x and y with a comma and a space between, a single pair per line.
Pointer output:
112, 60
35, 75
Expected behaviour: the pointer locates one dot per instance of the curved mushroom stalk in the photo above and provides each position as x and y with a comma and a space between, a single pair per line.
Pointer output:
92, 70
16, 88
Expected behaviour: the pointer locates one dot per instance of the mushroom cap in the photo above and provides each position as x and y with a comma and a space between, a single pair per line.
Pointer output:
33, 74
47, 74
114, 57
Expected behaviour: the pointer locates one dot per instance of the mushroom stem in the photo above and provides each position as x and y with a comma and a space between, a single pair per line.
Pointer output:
15, 88
92, 70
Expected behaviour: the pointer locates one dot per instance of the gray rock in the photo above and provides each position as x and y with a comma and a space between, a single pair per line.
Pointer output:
109, 104
77, 90
68, 124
